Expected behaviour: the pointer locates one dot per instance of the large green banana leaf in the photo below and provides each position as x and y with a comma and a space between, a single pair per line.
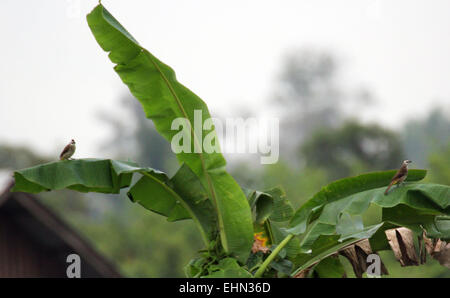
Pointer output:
84, 175
164, 99
341, 189
179, 197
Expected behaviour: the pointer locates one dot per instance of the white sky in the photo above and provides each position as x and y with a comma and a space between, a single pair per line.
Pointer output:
54, 78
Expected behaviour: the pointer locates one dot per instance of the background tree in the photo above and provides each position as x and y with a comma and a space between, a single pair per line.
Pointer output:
353, 148
422, 137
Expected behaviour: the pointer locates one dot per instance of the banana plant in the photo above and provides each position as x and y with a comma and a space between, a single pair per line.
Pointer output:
246, 233
333, 218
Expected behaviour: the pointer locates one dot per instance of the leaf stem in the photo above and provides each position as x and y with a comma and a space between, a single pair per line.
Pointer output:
272, 256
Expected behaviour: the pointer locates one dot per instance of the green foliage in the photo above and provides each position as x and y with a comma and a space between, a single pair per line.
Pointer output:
164, 99
326, 245
329, 221
180, 197
269, 204
282, 208
227, 268
343, 188
84, 175
412, 205
215, 265
334, 211
261, 205
438, 163
286, 242
333, 217
330, 268
422, 137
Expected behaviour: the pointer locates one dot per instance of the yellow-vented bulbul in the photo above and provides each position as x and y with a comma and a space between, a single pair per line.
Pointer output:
68, 151
400, 176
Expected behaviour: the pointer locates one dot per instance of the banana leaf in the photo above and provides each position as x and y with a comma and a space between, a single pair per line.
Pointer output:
327, 245
342, 189
336, 211
177, 198
164, 100
84, 175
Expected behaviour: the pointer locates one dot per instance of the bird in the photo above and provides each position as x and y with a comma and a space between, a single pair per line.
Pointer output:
68, 151
400, 176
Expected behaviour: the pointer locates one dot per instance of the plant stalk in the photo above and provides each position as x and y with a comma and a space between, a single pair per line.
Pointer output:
272, 256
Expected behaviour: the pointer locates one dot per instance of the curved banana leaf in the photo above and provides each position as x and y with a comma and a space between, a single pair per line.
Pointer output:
261, 204
412, 205
269, 204
440, 228
340, 189
84, 175
282, 207
164, 99
180, 197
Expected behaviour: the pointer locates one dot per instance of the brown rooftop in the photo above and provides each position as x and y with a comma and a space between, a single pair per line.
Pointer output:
35, 242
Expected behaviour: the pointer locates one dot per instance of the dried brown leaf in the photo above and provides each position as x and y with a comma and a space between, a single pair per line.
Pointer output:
443, 254
438, 250
357, 254
352, 257
402, 244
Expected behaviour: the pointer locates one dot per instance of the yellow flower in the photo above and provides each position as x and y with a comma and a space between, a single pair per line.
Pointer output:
260, 243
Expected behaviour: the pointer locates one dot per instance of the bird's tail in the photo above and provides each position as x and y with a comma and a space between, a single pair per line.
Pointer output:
389, 187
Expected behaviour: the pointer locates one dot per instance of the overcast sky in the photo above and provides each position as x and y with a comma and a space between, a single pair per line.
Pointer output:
55, 79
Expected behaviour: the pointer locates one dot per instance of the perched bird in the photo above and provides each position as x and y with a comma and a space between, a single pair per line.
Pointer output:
68, 151
400, 176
